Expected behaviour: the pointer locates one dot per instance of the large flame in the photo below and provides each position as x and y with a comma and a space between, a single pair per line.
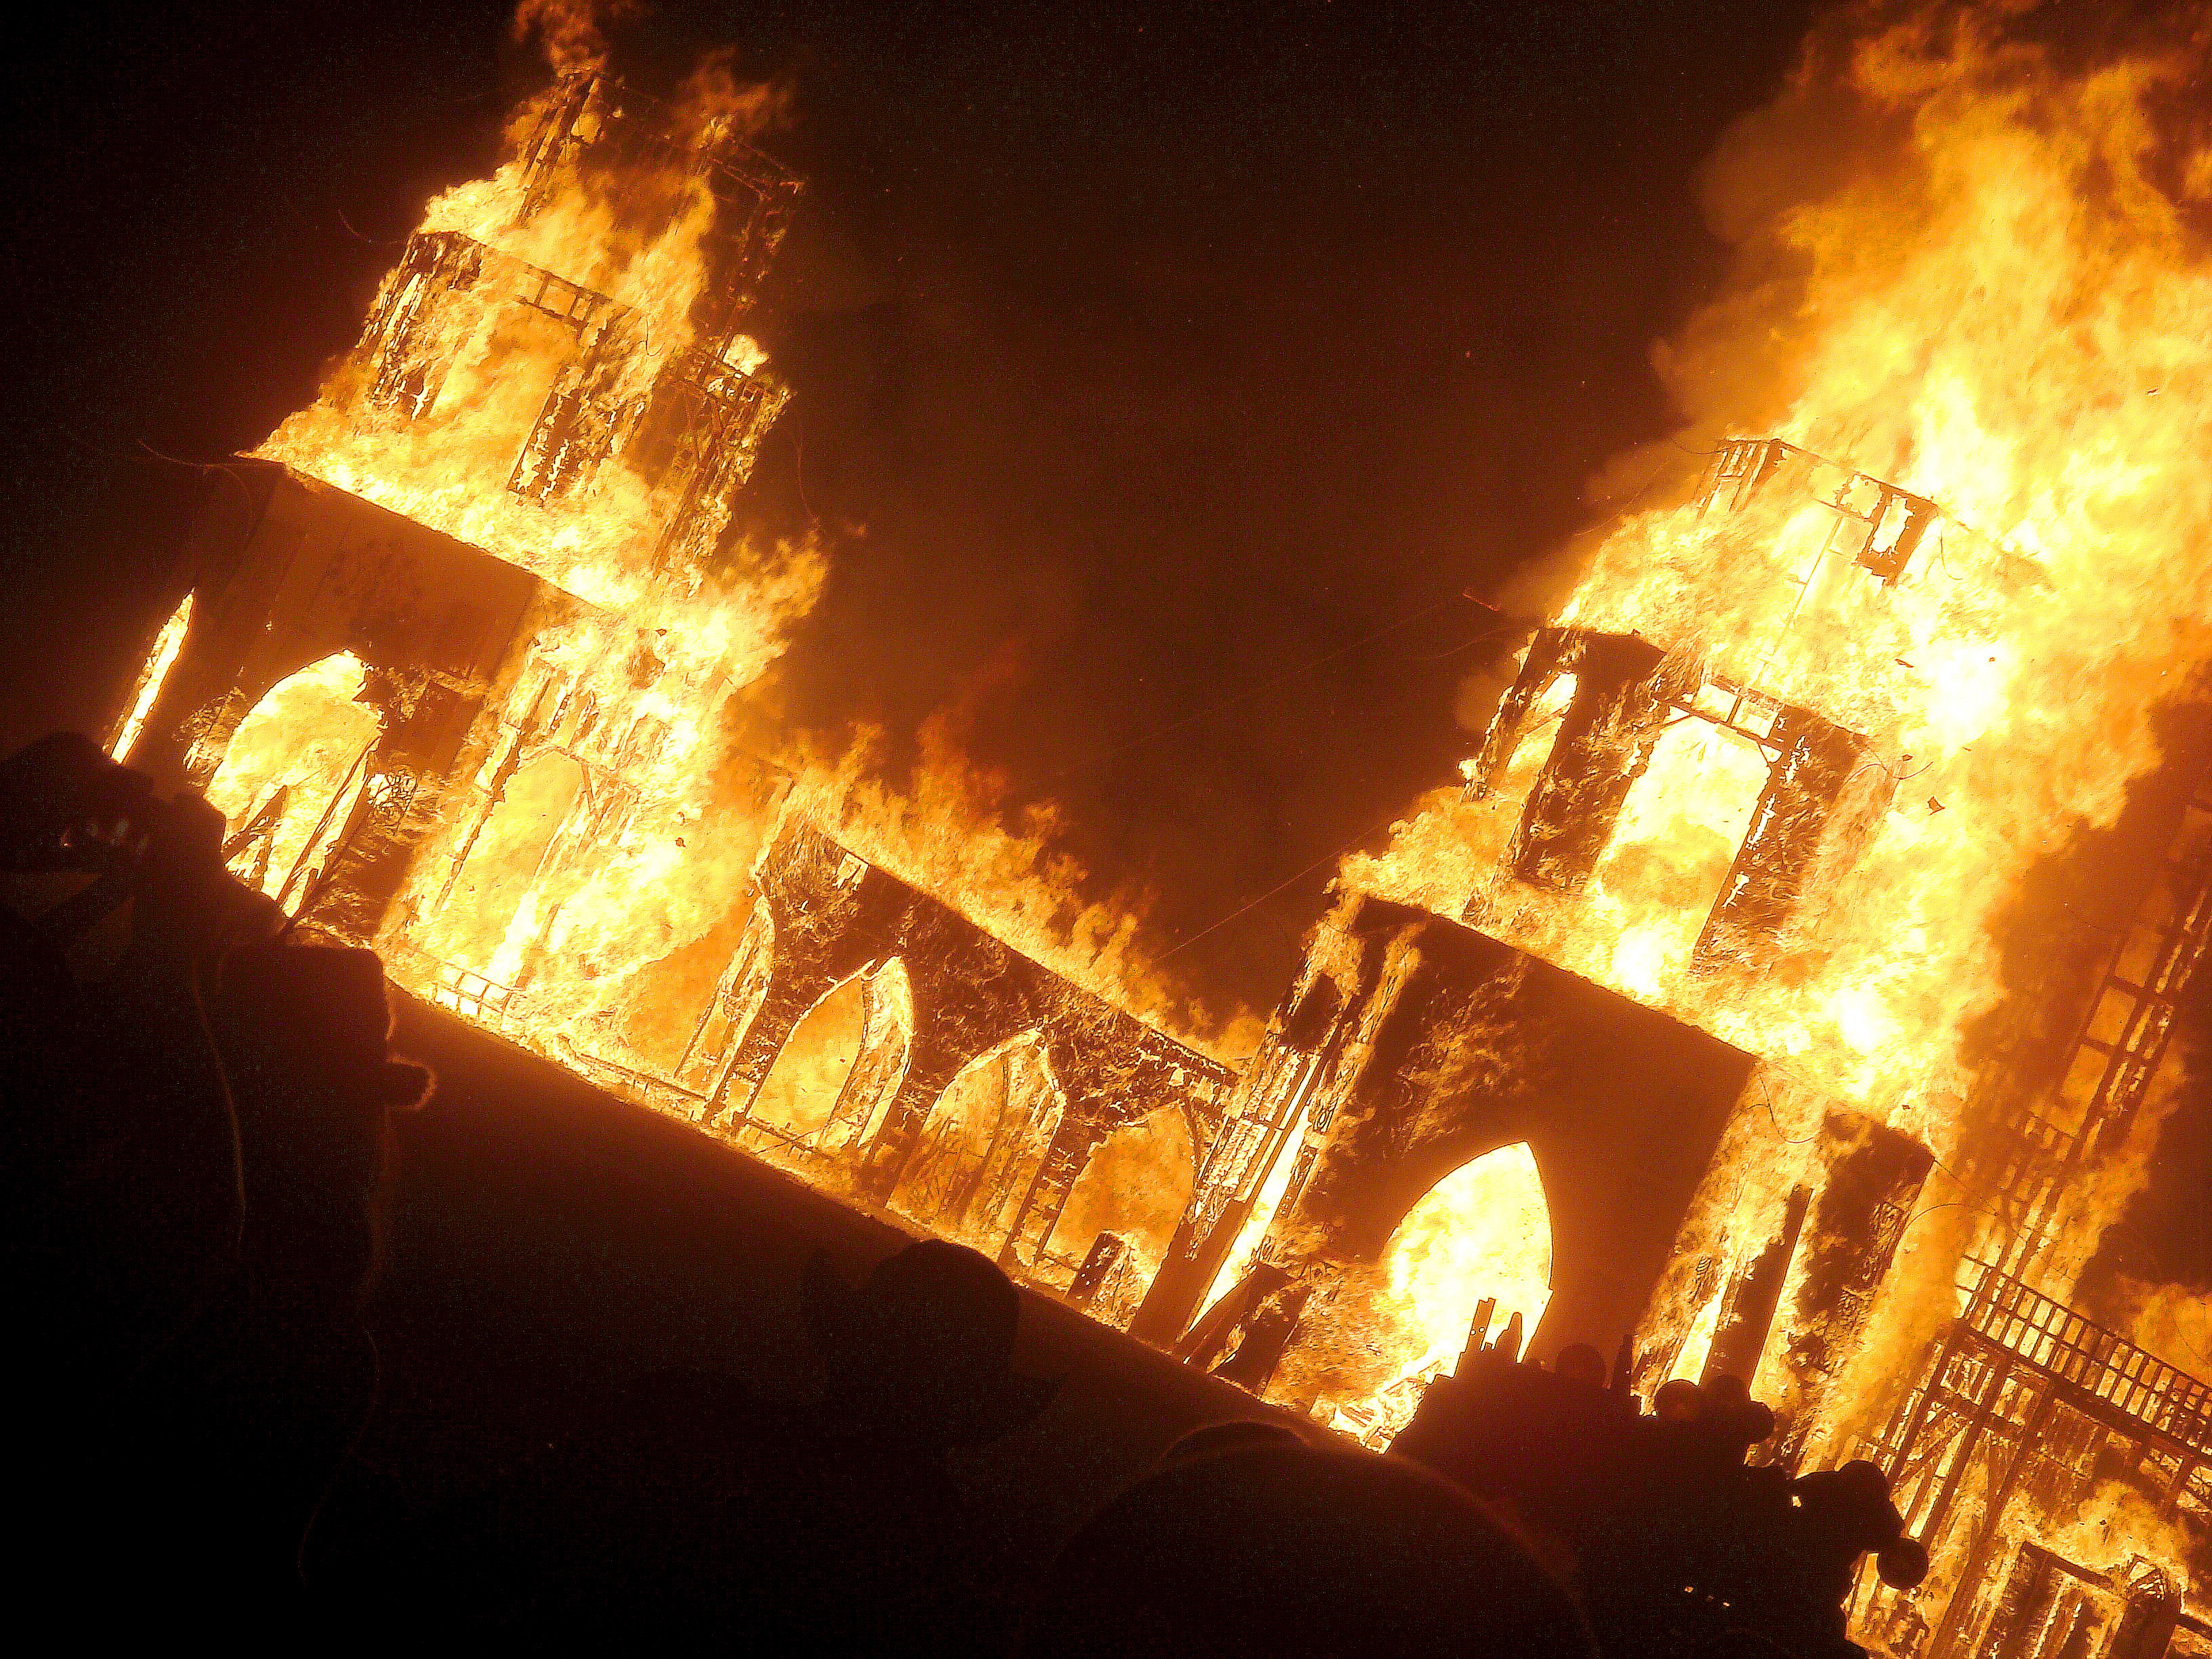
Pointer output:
2002, 309
587, 887
1481, 1234
1974, 269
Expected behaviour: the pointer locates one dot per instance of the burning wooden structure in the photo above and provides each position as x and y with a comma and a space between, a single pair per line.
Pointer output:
1787, 987
984, 1087
1678, 937
452, 661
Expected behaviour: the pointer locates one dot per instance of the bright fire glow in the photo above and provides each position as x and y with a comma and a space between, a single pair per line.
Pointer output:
1991, 291
295, 765
151, 679
1484, 1231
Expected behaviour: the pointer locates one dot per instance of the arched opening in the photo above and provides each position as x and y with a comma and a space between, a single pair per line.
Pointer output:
489, 915
802, 1086
1482, 1232
168, 646
1136, 1186
293, 770
704, 1064
981, 1143
679, 1011
886, 1042
842, 1066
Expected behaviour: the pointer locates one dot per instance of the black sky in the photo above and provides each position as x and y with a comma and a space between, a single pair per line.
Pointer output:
1161, 372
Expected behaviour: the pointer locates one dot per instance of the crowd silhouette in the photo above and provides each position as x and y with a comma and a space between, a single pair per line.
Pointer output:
200, 1103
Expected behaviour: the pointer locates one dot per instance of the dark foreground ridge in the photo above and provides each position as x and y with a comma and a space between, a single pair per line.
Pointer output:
302, 1356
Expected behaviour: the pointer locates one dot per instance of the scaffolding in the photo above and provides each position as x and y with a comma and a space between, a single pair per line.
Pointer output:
2026, 1399
2118, 1043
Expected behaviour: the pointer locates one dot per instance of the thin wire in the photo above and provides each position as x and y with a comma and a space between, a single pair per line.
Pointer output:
1453, 651
1767, 1100
1254, 904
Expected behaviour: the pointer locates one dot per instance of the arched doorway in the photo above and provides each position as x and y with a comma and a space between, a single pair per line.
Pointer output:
704, 1064
489, 915
1136, 1185
886, 1040
1482, 1232
293, 770
841, 1067
981, 1143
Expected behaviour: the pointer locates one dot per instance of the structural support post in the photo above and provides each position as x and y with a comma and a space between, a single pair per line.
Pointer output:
1964, 1591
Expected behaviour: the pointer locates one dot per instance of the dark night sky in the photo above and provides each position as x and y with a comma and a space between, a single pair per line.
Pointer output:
1166, 354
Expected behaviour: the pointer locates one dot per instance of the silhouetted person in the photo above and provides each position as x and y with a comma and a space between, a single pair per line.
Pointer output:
1838, 1515
1235, 1434
920, 1356
1677, 1402
245, 1419
304, 1033
203, 1130
124, 1194
690, 1512
1284, 1550
919, 1364
1677, 1543
1581, 1365
1729, 1420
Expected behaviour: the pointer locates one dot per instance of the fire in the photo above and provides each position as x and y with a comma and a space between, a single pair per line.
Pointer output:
297, 764
1947, 547
587, 232
532, 795
2004, 313
1482, 1233
1807, 730
951, 829
556, 373
592, 236
168, 644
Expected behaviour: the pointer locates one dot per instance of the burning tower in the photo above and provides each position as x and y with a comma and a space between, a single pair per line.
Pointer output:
455, 663
1701, 934
1804, 948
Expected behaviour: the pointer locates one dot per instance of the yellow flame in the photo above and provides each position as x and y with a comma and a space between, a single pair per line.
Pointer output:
167, 645
307, 739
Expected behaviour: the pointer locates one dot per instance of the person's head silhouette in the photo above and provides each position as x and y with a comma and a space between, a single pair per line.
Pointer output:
1284, 1550
922, 1351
